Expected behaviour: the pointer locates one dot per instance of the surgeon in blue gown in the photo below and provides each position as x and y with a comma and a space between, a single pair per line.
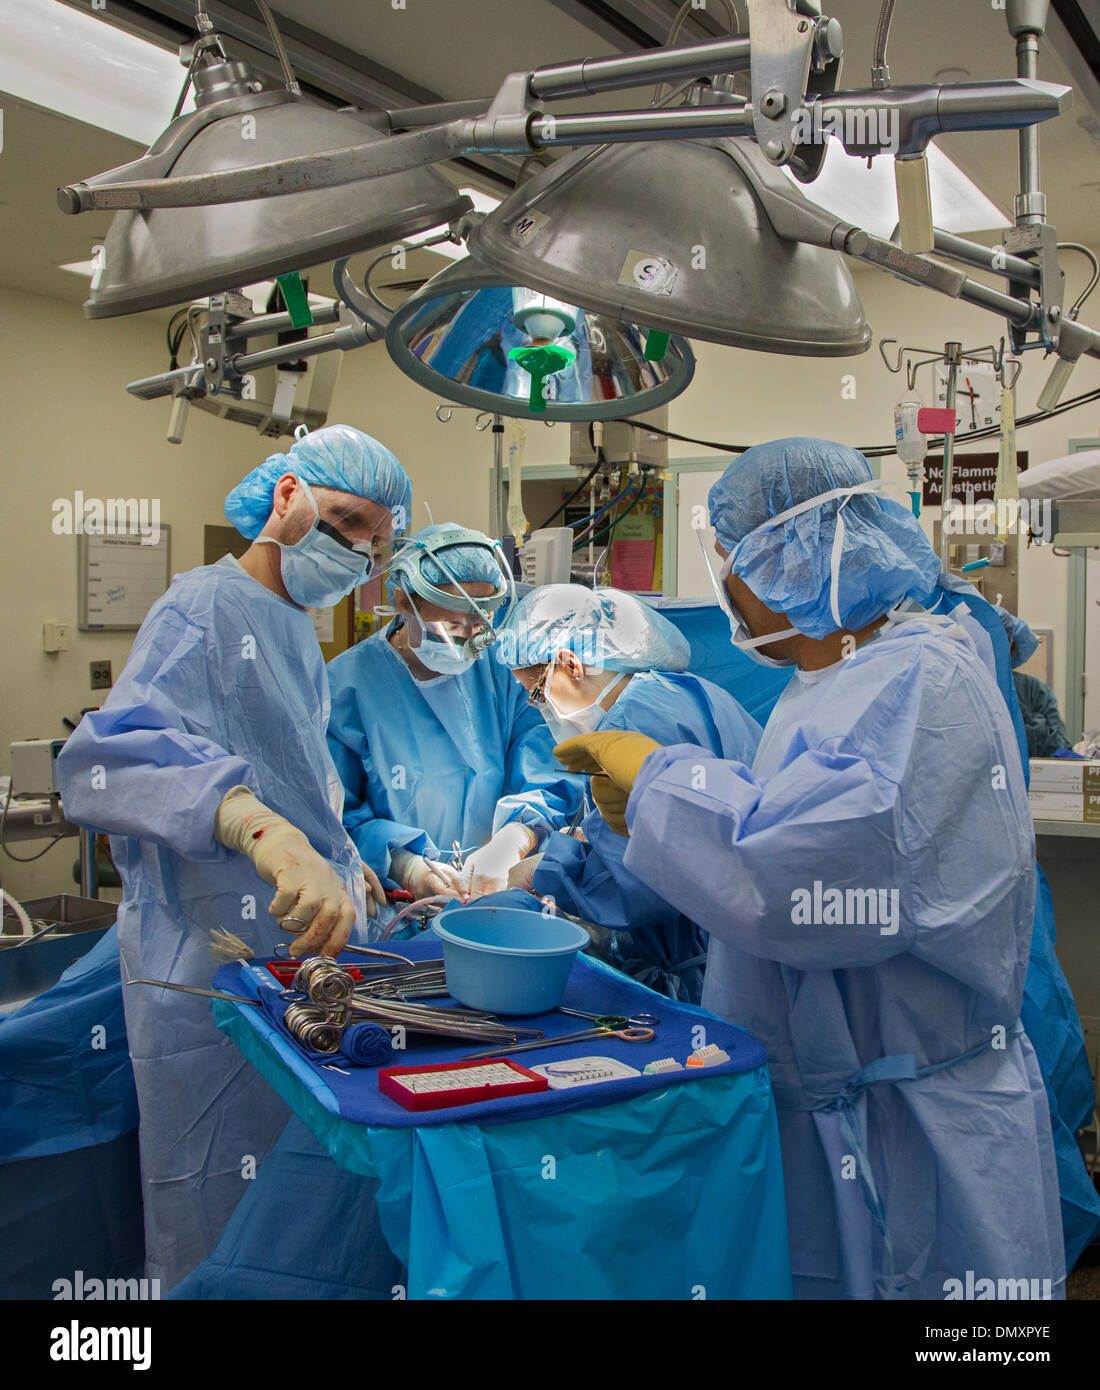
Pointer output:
1048, 1012
869, 887
1046, 733
208, 767
434, 742
604, 659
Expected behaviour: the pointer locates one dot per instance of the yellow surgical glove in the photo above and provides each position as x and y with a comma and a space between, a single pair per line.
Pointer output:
310, 898
615, 756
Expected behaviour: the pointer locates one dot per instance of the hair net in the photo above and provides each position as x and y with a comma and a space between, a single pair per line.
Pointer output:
338, 456
1023, 641
603, 628
469, 563
885, 555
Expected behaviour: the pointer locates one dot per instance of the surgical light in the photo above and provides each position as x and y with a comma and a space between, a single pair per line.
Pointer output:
170, 255
674, 236
475, 337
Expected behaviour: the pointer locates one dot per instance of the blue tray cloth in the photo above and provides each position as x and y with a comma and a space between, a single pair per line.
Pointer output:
592, 986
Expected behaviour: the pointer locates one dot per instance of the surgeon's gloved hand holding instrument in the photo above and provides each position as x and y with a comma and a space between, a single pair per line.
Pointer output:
310, 899
614, 758
487, 869
424, 878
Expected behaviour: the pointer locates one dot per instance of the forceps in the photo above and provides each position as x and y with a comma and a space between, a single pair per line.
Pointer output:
194, 989
623, 1034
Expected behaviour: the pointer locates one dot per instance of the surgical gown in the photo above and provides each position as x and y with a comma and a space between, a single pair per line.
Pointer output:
648, 938
225, 685
913, 1121
1049, 1013
1046, 734
425, 763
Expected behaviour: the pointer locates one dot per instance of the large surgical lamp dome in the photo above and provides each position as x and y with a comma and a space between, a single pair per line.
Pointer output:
170, 255
672, 234
471, 336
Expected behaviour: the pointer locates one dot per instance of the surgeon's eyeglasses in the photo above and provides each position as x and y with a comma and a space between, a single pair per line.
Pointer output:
537, 694
359, 547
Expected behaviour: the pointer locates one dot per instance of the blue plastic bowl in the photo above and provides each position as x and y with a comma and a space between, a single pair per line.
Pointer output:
507, 960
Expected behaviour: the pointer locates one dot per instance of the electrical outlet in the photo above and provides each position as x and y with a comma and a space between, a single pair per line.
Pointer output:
55, 637
101, 675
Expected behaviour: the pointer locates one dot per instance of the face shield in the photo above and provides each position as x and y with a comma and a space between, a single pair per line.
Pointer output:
446, 645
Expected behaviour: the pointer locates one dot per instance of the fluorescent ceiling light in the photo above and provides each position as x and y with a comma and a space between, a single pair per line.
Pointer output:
83, 67
866, 196
483, 202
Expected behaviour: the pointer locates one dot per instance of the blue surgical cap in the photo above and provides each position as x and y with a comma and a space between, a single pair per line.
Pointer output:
468, 563
338, 456
885, 555
1021, 638
603, 628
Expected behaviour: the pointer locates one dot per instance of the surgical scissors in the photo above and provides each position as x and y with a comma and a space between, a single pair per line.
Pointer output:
613, 1020
623, 1034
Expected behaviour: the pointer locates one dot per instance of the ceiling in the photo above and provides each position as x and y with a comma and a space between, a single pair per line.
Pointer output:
373, 53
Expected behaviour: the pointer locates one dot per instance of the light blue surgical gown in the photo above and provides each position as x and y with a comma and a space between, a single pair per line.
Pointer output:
1048, 1012
914, 1125
225, 685
649, 939
425, 763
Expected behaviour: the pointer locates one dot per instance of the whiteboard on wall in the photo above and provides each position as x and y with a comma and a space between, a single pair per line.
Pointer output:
691, 507
119, 577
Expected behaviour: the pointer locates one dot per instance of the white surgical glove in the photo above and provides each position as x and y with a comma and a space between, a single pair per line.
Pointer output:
310, 899
522, 874
424, 878
487, 869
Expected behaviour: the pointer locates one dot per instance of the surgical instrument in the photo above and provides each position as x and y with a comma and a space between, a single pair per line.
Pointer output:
623, 1034
194, 989
613, 1020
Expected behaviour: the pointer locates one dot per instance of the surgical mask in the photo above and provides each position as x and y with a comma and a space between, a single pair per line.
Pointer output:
324, 566
740, 635
579, 721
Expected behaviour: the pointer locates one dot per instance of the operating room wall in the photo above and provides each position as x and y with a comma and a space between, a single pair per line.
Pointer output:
68, 425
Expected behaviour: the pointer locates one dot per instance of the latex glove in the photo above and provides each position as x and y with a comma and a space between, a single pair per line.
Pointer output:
310, 898
487, 869
424, 878
376, 894
615, 757
522, 875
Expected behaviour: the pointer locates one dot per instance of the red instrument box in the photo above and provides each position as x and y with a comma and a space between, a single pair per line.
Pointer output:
442, 1084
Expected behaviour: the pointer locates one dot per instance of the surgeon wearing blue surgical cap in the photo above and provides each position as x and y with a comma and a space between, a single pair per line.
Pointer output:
208, 767
604, 659
868, 885
433, 740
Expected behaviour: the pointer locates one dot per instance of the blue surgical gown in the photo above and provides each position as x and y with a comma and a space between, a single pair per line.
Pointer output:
913, 1121
1046, 734
225, 685
649, 939
425, 763
1049, 1013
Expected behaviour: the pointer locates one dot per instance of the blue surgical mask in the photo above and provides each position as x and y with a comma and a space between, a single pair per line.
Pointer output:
322, 567
434, 648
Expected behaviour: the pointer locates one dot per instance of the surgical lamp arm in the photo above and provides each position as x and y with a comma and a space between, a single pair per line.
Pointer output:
922, 112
